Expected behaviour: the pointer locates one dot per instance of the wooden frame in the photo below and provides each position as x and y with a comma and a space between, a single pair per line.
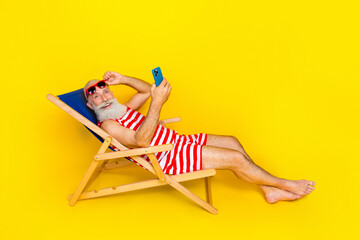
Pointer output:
103, 161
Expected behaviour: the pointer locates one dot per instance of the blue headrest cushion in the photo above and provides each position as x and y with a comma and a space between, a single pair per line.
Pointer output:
77, 101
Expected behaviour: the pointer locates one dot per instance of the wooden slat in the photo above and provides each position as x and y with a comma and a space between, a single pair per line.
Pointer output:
145, 184
134, 152
170, 120
157, 167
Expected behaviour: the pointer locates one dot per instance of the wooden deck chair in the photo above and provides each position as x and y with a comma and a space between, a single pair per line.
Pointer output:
74, 103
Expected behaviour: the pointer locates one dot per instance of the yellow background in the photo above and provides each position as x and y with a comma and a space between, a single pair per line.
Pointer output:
281, 76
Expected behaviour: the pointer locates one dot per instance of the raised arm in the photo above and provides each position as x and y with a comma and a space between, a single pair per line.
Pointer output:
159, 96
143, 88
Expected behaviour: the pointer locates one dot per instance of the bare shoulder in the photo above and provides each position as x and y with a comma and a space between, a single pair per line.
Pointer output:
110, 125
114, 128
124, 135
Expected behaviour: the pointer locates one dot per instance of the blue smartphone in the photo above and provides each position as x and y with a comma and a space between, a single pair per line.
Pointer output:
157, 76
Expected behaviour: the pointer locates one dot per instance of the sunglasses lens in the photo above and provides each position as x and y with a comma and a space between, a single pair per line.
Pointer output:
101, 84
91, 90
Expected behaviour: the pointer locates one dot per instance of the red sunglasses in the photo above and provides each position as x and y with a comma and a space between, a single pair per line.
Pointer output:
92, 89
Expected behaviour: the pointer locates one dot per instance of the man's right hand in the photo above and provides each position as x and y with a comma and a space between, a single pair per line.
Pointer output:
160, 94
113, 78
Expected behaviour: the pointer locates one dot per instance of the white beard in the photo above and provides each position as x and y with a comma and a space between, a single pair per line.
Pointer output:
115, 111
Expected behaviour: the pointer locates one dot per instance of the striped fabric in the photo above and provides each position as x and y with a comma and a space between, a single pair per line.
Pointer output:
187, 153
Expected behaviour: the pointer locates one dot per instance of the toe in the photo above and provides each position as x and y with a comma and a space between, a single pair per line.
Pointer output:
311, 183
298, 196
270, 199
308, 191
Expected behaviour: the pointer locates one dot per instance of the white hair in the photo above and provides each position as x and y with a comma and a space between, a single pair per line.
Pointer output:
115, 111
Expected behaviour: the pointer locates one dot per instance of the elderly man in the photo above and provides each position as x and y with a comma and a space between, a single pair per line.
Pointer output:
191, 152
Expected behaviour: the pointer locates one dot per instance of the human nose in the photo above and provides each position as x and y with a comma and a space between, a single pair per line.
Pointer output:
105, 98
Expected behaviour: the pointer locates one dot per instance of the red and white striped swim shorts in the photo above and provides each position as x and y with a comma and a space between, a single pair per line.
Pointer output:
186, 155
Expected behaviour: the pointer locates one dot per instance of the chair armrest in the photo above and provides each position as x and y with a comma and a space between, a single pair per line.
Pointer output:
133, 152
170, 120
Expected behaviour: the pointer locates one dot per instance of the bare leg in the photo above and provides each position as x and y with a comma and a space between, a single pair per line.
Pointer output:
282, 189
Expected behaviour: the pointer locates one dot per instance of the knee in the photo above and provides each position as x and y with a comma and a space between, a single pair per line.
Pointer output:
241, 160
235, 140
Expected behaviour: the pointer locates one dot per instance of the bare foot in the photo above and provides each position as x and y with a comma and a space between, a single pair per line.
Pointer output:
299, 187
273, 194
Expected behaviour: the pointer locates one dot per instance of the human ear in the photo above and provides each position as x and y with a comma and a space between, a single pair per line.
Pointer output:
89, 105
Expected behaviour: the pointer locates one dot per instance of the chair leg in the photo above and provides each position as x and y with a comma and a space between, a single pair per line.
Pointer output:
190, 195
94, 164
208, 190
